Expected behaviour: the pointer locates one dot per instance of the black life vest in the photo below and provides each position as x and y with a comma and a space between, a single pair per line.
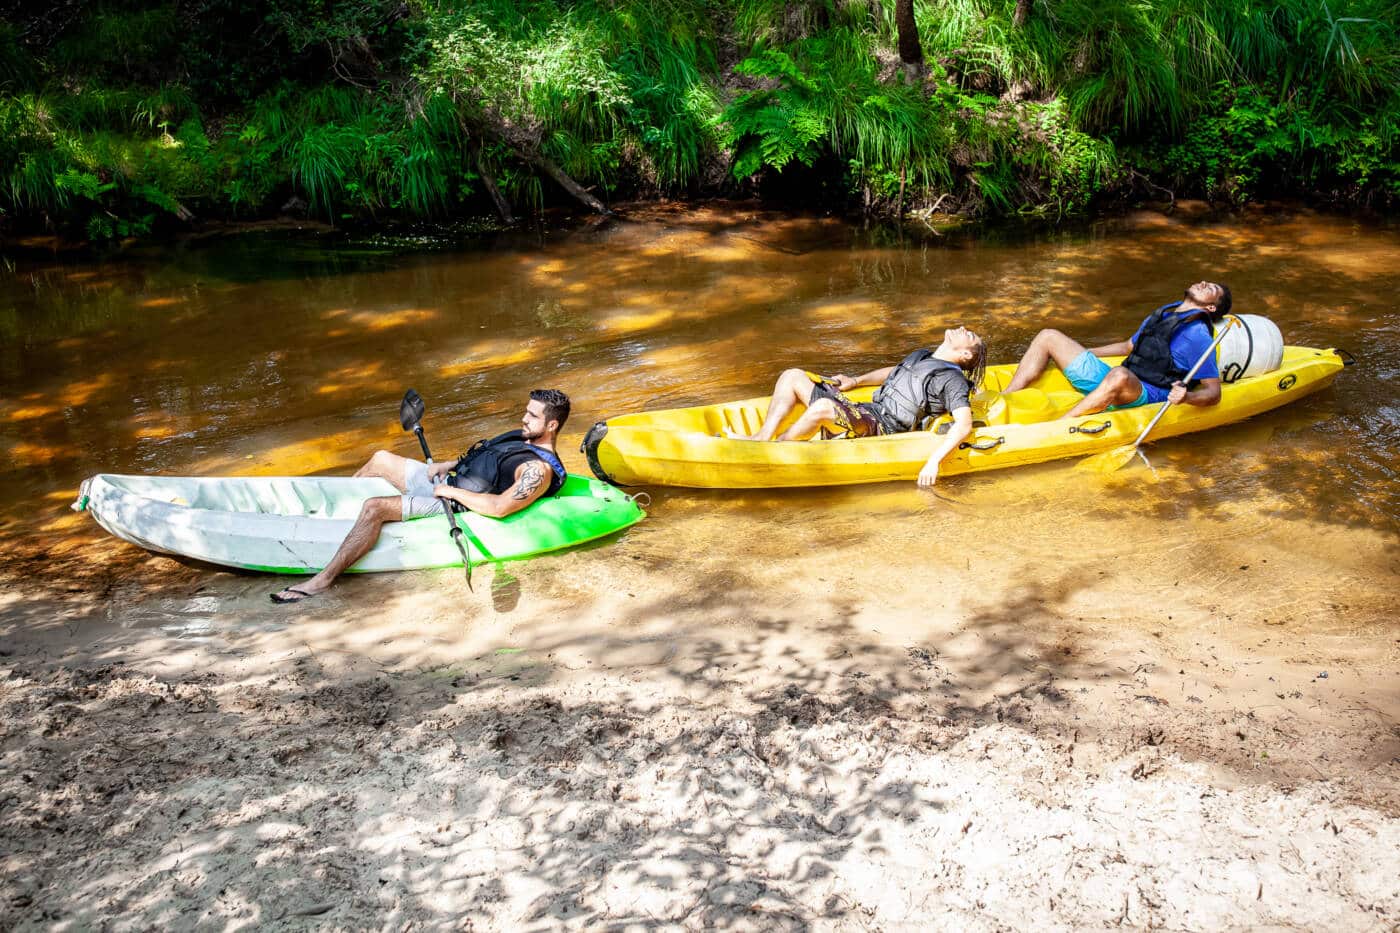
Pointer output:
1151, 359
903, 401
490, 465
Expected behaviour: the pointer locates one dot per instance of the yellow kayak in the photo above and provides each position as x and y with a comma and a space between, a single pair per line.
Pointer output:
689, 446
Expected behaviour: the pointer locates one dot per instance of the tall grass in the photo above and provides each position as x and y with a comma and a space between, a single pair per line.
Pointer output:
118, 116
666, 59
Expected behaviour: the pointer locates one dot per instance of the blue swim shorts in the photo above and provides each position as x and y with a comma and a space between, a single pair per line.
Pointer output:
1087, 371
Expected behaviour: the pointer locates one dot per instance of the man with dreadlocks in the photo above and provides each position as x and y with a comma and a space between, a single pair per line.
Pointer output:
926, 383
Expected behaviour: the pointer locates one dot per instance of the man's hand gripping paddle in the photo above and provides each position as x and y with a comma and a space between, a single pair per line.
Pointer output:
1118, 457
410, 416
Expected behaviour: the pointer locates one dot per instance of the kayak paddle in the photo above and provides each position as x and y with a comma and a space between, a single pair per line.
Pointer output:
1118, 457
410, 416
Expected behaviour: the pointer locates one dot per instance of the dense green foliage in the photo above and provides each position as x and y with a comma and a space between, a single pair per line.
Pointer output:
118, 116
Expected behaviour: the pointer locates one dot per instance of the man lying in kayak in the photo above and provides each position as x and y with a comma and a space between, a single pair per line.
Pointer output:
1158, 356
924, 384
498, 477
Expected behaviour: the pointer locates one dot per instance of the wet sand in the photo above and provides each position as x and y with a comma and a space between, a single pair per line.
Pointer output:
1026, 701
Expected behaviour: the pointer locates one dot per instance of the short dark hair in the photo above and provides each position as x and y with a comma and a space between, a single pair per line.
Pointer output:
1223, 306
556, 404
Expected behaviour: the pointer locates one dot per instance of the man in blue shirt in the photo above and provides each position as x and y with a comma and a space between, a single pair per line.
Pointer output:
1157, 358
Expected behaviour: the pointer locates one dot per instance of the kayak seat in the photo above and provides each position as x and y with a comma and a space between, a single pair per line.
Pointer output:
296, 498
313, 501
1025, 406
732, 419
285, 499
231, 497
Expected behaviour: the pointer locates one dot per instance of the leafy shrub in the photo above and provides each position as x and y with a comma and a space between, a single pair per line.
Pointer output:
122, 115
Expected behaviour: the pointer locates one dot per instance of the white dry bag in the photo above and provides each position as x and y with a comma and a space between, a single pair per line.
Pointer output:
1254, 346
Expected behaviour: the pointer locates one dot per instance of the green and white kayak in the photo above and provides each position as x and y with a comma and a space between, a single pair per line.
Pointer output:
293, 524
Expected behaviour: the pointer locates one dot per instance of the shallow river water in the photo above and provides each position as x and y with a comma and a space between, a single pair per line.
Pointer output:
284, 354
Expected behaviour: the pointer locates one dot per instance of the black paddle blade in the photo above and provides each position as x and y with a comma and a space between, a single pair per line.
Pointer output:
411, 409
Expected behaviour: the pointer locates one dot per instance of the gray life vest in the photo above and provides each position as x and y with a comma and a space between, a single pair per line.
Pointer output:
903, 401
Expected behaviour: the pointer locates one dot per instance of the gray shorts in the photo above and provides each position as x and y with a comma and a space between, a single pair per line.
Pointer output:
418, 498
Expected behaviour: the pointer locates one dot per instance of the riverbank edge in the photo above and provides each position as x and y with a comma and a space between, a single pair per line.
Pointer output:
933, 226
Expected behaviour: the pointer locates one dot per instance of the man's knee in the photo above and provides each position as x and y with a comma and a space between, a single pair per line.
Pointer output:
1048, 335
382, 509
792, 376
823, 408
382, 459
1120, 381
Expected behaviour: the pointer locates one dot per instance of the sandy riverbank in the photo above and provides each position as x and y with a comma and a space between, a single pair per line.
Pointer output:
679, 739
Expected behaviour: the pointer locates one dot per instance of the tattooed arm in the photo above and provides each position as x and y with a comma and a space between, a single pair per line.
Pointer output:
531, 482
528, 480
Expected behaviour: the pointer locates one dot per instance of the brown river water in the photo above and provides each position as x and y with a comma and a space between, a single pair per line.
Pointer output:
287, 354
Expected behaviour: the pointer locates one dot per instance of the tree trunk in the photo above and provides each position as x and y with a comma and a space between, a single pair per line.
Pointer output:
899, 204
491, 126
1023, 12
489, 180
911, 51
580, 194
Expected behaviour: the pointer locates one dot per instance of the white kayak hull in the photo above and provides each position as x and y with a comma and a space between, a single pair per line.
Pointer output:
295, 524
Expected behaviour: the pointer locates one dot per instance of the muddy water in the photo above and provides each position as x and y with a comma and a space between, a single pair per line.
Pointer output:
278, 355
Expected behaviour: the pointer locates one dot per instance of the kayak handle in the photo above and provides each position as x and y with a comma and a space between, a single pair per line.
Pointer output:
1090, 428
1346, 356
982, 445
81, 503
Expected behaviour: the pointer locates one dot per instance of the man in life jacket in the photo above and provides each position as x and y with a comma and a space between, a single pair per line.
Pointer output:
497, 477
926, 383
1157, 358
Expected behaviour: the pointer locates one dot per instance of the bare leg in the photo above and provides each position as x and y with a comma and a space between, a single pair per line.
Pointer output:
373, 515
1048, 345
386, 466
822, 413
794, 388
1119, 387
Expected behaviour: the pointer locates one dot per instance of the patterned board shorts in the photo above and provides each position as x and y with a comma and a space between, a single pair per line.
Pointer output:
856, 419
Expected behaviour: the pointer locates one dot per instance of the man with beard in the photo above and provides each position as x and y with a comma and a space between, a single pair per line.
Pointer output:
1156, 358
498, 477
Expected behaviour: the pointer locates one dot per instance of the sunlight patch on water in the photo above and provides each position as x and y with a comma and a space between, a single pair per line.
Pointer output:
356, 378
25, 454
31, 412
628, 323
498, 353
849, 311
376, 321
298, 458
69, 522
82, 392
